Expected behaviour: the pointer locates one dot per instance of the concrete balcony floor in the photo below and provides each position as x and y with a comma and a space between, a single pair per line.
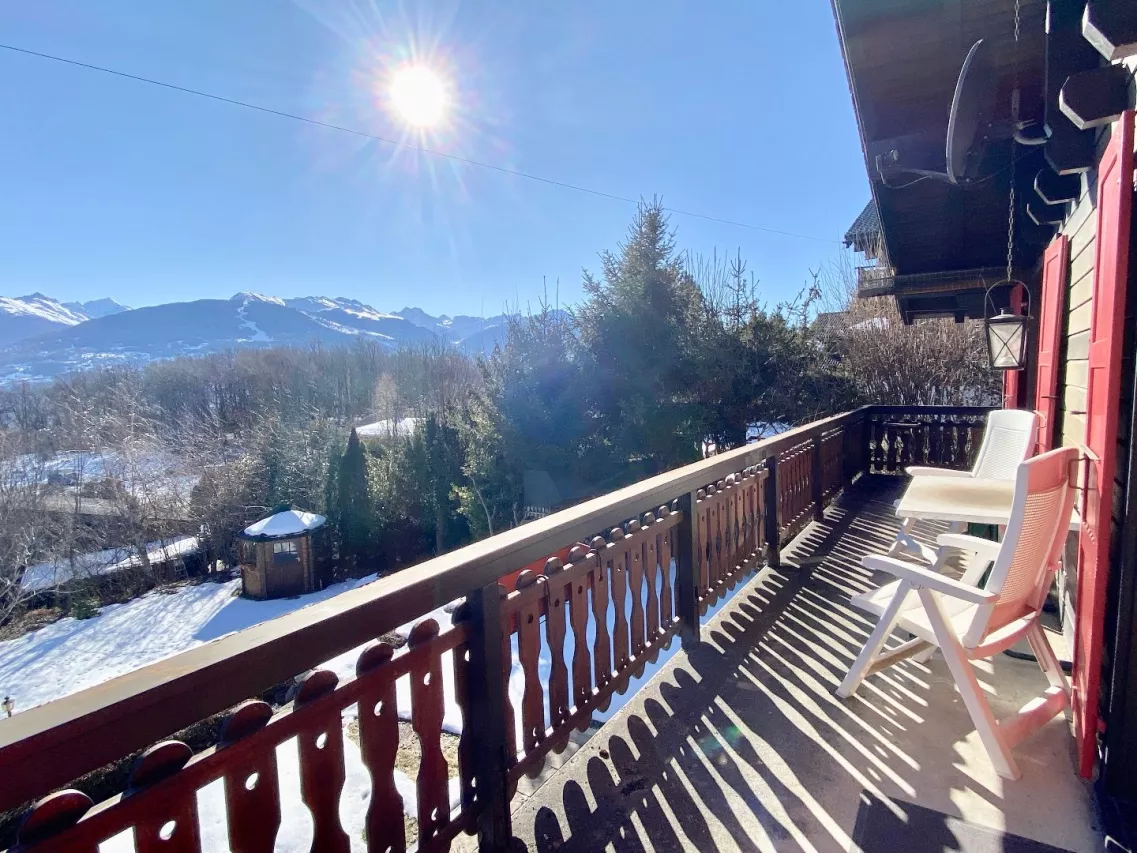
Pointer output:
740, 743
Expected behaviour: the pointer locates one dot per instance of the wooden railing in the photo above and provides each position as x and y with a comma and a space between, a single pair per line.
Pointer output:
900, 436
648, 562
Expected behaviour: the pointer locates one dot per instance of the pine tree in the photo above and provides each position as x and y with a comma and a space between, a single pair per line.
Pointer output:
353, 510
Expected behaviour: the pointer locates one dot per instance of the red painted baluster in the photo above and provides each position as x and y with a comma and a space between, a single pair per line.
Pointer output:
173, 824
619, 576
379, 745
320, 745
51, 817
555, 636
581, 561
666, 608
427, 709
602, 650
252, 793
529, 653
461, 658
651, 574
703, 546
635, 542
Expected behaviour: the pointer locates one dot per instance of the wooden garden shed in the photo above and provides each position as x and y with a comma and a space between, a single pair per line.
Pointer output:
282, 555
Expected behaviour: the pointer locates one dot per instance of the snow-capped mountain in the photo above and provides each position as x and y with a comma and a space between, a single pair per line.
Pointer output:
27, 316
472, 334
96, 308
41, 338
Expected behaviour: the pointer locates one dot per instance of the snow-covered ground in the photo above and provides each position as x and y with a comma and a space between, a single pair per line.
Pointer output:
71, 655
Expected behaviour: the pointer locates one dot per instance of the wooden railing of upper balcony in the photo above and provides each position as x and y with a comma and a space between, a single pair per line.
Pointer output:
648, 562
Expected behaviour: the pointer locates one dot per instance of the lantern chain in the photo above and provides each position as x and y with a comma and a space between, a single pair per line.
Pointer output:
1015, 120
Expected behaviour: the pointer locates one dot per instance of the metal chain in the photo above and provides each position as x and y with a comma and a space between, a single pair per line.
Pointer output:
1015, 119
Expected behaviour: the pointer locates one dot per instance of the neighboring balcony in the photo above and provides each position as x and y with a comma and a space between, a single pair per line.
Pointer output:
736, 742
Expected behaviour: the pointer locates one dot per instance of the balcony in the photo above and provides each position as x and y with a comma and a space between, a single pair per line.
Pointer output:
736, 742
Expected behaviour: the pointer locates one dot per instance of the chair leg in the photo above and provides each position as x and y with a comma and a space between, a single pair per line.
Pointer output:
960, 667
905, 542
1044, 654
876, 640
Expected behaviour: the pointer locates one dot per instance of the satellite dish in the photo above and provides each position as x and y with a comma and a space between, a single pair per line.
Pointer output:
973, 124
972, 109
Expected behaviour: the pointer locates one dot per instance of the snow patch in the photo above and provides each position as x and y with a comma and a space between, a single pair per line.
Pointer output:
108, 561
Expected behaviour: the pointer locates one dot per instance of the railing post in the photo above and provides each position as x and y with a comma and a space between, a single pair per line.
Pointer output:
687, 572
487, 706
815, 481
773, 531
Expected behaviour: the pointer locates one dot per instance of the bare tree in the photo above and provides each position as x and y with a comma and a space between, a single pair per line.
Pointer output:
931, 362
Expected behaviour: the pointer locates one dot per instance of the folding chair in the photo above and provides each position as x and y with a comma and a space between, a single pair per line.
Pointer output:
1008, 439
969, 623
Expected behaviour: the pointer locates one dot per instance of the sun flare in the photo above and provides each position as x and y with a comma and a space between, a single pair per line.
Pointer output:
419, 96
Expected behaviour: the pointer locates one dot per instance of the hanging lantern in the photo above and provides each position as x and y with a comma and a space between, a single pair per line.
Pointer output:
1006, 331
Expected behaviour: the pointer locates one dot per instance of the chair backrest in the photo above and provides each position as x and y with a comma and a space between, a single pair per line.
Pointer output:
1009, 438
1035, 536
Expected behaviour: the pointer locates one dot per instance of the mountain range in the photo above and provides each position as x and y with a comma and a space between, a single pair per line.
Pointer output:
41, 337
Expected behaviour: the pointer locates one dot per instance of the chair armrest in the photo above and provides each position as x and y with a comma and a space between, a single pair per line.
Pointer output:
973, 544
925, 471
921, 577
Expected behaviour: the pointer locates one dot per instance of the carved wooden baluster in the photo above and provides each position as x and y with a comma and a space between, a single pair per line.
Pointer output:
718, 537
555, 635
666, 608
173, 824
935, 442
635, 586
581, 560
651, 575
619, 578
379, 745
715, 496
50, 817
702, 541
529, 652
252, 795
320, 745
735, 524
427, 709
506, 670
602, 650
745, 534
461, 658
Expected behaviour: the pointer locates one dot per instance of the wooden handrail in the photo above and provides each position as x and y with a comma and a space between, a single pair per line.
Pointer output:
64, 739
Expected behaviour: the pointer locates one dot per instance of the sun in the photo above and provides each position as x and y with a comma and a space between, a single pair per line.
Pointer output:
419, 96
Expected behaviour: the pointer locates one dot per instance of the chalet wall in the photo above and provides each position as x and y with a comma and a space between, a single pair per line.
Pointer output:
1080, 229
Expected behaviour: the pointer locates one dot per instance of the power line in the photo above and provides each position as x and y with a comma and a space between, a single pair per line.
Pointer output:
395, 142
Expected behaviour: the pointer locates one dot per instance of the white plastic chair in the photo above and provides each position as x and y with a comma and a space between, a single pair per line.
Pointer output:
1008, 439
969, 623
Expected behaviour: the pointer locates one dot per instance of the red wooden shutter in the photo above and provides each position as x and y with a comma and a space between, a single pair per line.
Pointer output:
1111, 261
1054, 265
1012, 378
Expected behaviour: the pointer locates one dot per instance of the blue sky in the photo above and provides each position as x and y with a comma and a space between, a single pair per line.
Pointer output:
737, 110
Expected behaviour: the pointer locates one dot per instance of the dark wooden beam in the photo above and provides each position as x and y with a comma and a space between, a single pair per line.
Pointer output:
1070, 151
1096, 98
1111, 27
1053, 188
1041, 213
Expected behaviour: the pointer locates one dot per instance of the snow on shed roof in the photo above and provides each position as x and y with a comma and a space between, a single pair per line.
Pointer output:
293, 522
